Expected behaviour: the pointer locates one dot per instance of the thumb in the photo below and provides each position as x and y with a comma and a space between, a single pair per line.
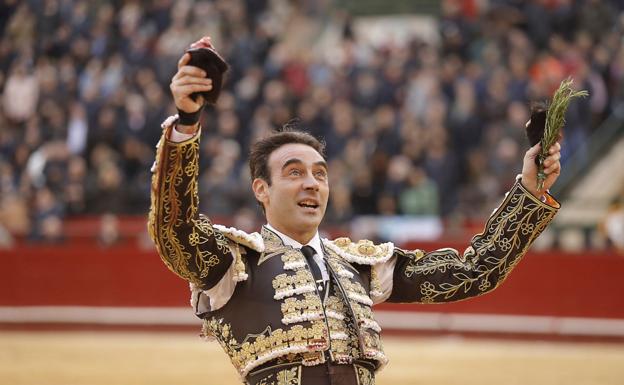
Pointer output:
534, 151
184, 60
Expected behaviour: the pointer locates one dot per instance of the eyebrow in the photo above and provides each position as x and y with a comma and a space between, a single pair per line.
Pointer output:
290, 161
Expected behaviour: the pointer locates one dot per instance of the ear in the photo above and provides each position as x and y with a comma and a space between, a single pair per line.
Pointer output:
261, 190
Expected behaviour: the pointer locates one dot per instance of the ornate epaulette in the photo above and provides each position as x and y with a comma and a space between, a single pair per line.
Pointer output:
253, 241
363, 252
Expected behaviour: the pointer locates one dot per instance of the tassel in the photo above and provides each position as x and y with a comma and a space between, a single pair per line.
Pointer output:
239, 266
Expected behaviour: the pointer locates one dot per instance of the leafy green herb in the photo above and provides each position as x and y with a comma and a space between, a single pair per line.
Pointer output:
555, 119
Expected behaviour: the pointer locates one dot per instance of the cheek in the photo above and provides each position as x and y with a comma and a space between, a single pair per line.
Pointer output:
283, 193
325, 193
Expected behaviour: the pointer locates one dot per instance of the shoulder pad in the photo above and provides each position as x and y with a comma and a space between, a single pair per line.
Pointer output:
364, 252
253, 241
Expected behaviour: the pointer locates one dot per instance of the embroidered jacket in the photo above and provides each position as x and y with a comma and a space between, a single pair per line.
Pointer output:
276, 312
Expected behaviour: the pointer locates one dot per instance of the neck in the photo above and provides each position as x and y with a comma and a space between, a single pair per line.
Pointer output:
302, 237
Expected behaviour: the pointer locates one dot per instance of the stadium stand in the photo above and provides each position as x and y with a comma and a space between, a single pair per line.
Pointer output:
441, 124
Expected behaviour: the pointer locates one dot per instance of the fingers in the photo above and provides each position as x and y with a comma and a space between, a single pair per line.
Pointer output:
553, 169
554, 148
189, 79
186, 80
184, 60
203, 42
184, 90
189, 71
534, 151
552, 164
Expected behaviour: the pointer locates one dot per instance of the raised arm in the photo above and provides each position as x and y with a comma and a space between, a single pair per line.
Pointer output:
445, 275
186, 241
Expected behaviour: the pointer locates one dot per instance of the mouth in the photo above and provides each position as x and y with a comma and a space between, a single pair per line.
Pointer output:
308, 204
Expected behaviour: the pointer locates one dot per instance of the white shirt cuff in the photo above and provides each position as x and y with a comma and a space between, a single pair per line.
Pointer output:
177, 136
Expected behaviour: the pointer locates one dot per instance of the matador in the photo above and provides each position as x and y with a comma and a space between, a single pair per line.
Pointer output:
290, 307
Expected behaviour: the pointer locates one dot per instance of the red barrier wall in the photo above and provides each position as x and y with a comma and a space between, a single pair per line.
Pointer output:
554, 283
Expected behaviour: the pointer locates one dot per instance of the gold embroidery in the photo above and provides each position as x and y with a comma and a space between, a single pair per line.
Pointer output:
204, 257
256, 349
364, 376
356, 291
492, 255
273, 245
363, 252
365, 316
375, 284
313, 358
342, 242
293, 260
271, 240
342, 332
350, 330
266, 255
288, 285
362, 330
178, 232
289, 376
298, 310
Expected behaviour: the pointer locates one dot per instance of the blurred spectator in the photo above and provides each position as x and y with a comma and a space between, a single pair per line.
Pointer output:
6, 240
74, 192
108, 234
77, 130
14, 214
421, 195
47, 223
417, 128
21, 93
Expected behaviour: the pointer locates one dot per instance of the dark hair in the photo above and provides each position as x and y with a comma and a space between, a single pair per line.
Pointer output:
263, 148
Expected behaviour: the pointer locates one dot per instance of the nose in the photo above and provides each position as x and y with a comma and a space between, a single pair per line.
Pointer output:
310, 182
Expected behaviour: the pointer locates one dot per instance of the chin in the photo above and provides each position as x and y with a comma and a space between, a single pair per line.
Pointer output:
309, 222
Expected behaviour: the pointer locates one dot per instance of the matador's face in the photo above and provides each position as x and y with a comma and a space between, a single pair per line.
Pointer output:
296, 199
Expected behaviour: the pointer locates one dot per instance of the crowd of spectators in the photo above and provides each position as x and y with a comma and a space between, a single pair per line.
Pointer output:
420, 128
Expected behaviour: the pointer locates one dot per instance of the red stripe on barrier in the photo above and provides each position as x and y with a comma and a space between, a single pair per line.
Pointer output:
552, 284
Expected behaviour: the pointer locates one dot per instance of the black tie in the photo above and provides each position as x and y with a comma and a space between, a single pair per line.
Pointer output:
309, 253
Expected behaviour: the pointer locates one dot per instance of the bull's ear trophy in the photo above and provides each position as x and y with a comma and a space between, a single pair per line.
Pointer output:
547, 121
206, 57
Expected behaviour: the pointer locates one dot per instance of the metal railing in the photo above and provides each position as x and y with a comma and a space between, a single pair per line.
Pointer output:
388, 7
598, 144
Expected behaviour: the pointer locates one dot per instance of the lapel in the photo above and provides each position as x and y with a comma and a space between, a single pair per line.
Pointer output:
273, 245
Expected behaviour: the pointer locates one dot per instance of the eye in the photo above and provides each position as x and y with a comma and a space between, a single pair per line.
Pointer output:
294, 172
320, 174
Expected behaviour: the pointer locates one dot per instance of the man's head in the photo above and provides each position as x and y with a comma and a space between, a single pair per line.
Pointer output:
290, 180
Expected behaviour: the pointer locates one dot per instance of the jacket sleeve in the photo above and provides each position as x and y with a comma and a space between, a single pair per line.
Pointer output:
186, 240
445, 276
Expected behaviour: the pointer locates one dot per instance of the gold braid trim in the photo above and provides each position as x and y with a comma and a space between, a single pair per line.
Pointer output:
253, 241
240, 238
363, 324
364, 252
257, 349
375, 284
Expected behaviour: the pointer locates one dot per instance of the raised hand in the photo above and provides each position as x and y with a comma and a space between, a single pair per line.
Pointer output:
552, 168
187, 80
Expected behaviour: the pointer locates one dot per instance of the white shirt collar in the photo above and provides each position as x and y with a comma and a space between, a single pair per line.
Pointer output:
315, 242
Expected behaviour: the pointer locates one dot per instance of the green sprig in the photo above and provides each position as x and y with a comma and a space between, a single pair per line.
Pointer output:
555, 120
